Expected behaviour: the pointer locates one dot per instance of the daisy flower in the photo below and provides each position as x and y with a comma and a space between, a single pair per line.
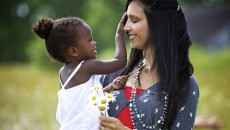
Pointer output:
101, 100
96, 88
146, 64
103, 105
94, 99
110, 97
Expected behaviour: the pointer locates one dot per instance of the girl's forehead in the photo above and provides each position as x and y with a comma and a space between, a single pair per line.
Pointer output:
84, 32
85, 28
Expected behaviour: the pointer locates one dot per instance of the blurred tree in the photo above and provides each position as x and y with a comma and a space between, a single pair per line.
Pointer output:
104, 20
16, 21
203, 2
18, 16
13, 32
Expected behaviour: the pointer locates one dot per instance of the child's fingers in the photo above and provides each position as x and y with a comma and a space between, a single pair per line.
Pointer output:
121, 24
124, 78
119, 85
123, 18
119, 82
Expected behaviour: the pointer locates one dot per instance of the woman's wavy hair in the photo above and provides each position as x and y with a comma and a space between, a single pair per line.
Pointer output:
170, 42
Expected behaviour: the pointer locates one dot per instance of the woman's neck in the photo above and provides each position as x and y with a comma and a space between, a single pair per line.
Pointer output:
149, 56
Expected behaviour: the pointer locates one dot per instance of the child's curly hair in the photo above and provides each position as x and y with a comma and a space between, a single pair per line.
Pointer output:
58, 34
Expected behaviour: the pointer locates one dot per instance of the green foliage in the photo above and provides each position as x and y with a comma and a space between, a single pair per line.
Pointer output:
28, 98
38, 55
203, 2
213, 73
18, 16
103, 21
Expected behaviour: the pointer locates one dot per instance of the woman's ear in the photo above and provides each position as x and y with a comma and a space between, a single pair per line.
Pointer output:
73, 51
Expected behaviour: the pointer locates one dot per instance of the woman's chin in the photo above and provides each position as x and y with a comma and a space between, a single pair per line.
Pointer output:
132, 45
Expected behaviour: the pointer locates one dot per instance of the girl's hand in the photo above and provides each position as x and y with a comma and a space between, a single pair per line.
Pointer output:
119, 82
110, 123
120, 27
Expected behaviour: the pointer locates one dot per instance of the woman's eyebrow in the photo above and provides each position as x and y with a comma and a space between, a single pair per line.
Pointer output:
133, 16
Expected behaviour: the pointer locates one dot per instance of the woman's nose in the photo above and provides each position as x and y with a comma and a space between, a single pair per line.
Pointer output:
127, 28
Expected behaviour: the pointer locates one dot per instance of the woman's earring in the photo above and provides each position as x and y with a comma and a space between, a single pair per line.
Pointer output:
178, 8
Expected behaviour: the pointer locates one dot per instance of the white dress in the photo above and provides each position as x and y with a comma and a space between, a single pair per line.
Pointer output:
74, 112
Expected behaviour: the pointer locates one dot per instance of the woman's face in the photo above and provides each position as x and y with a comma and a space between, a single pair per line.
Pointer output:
136, 25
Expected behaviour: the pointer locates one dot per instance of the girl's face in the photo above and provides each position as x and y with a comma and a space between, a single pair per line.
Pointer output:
136, 25
86, 45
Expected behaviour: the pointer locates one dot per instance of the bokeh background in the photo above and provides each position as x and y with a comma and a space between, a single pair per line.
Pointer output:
29, 78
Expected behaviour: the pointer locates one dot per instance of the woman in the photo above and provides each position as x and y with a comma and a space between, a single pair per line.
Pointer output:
163, 94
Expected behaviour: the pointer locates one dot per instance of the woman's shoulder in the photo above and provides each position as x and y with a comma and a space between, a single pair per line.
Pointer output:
193, 93
193, 85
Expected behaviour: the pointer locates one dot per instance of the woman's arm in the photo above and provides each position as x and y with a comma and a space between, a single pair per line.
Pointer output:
212, 123
111, 123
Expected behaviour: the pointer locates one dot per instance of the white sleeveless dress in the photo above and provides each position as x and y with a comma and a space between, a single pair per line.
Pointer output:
74, 112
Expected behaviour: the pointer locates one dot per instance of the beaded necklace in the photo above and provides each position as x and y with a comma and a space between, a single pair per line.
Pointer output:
133, 108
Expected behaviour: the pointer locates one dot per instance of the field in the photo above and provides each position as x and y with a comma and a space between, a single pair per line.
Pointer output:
28, 95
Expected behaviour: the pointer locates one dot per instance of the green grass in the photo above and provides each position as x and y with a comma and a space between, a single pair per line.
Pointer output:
212, 70
28, 96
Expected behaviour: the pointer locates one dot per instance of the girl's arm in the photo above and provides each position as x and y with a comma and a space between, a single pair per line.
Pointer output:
94, 66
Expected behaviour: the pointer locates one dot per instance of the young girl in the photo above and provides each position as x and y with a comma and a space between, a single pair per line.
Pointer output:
70, 41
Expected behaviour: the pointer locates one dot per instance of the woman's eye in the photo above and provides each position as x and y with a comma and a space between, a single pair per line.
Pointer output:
133, 20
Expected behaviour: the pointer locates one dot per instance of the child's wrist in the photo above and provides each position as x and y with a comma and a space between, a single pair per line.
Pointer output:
112, 86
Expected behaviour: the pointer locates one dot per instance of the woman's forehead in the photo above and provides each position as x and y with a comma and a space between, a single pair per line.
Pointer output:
135, 9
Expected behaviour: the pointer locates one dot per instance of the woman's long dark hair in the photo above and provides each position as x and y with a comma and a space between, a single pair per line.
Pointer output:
170, 43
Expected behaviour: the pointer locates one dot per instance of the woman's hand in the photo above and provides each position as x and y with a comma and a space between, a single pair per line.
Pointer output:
111, 123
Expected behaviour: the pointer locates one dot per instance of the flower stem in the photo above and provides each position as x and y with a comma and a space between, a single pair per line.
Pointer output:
135, 70
129, 75
112, 89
